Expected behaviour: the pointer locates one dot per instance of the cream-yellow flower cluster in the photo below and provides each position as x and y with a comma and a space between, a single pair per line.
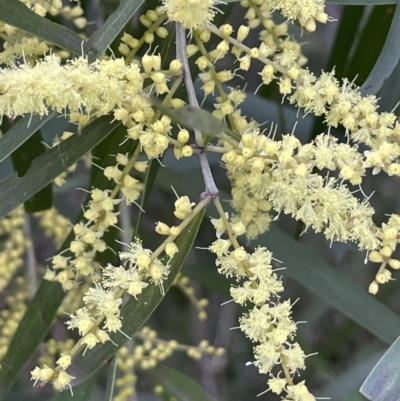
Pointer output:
306, 12
102, 304
342, 104
265, 173
102, 301
190, 13
268, 324
98, 87
281, 172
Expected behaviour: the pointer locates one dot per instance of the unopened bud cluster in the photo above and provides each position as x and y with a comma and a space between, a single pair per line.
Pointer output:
15, 303
13, 246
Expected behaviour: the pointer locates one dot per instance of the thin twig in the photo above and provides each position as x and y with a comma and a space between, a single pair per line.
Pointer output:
211, 188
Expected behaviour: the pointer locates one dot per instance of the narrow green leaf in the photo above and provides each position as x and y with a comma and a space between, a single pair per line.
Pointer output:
20, 132
389, 94
111, 374
16, 13
332, 286
193, 118
346, 34
168, 178
387, 60
151, 175
196, 118
82, 392
39, 316
370, 44
103, 37
135, 312
15, 190
22, 159
348, 2
362, 2
31, 331
178, 385
383, 383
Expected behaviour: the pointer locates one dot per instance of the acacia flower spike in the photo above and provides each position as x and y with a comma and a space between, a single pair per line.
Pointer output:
211, 188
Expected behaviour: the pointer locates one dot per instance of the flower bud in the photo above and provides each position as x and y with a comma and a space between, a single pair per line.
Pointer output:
175, 66
126, 38
239, 254
380, 278
64, 361
162, 32
202, 62
242, 33
394, 264
187, 151
373, 288
226, 30
183, 136
175, 231
177, 103
229, 157
375, 257
310, 25
123, 49
191, 50
149, 37
386, 251
247, 152
147, 63
152, 15
322, 17
171, 249
141, 166
122, 159
254, 52
145, 21
162, 229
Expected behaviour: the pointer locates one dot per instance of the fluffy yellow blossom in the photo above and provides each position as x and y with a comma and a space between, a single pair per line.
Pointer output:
99, 86
304, 11
268, 324
190, 13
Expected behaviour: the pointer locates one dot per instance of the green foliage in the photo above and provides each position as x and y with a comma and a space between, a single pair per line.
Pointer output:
333, 287
20, 132
382, 384
366, 49
45, 168
104, 36
15, 13
178, 385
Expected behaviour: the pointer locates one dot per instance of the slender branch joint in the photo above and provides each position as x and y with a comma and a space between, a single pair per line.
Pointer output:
211, 190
